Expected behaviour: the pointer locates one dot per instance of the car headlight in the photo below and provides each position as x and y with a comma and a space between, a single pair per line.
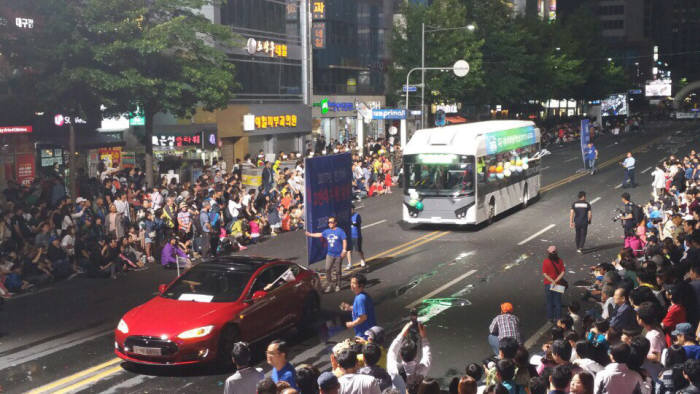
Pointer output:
122, 327
196, 332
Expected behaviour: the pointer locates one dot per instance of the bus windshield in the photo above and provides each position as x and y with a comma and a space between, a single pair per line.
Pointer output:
440, 174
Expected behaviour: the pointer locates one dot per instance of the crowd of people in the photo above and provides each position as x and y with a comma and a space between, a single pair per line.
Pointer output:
635, 330
118, 224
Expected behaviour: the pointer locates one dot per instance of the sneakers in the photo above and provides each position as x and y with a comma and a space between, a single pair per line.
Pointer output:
337, 289
327, 290
580, 251
362, 263
348, 266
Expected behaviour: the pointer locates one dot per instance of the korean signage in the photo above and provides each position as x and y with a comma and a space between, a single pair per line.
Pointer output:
318, 9
389, 114
25, 168
137, 119
273, 121
128, 159
505, 140
328, 193
15, 129
318, 35
447, 108
24, 23
173, 141
49, 157
268, 47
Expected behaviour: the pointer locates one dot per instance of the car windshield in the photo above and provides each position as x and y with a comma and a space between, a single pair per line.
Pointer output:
440, 174
202, 284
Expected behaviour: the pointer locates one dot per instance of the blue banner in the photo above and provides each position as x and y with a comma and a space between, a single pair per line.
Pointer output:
388, 114
328, 193
585, 138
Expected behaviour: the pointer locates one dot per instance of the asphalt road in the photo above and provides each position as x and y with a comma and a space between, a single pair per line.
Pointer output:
59, 339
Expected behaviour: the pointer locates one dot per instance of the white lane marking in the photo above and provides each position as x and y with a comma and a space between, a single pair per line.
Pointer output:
441, 288
54, 346
128, 384
533, 236
572, 159
608, 146
544, 168
373, 224
646, 170
537, 335
618, 186
595, 200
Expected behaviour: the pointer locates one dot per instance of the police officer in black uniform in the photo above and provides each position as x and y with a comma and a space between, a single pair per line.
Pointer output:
579, 219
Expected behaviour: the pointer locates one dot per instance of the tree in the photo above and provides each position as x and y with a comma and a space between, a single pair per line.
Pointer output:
159, 55
442, 48
163, 56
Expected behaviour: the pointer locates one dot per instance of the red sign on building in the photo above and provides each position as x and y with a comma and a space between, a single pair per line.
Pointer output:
25, 168
15, 129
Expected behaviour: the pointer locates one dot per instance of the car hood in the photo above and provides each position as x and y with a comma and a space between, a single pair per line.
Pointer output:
165, 316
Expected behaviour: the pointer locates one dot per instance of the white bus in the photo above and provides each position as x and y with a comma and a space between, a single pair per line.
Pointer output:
469, 173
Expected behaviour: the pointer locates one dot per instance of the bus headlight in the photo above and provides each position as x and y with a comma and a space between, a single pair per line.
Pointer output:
461, 213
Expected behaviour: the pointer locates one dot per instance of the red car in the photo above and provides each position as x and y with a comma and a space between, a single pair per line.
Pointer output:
200, 315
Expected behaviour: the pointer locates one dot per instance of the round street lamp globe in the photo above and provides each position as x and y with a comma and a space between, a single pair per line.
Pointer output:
460, 68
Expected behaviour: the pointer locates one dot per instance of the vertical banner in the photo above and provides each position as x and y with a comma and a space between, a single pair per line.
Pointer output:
25, 168
111, 156
585, 138
328, 193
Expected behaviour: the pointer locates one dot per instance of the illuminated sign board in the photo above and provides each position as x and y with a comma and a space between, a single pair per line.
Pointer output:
318, 9
318, 35
273, 121
24, 23
15, 129
268, 47
177, 141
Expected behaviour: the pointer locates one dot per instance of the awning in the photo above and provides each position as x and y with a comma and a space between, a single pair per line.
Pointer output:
83, 141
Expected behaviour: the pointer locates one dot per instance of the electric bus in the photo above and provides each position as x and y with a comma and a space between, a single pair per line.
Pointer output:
469, 173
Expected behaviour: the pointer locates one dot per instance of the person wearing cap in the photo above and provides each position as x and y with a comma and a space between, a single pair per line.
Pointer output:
504, 325
328, 383
184, 220
376, 335
553, 271
683, 335
246, 377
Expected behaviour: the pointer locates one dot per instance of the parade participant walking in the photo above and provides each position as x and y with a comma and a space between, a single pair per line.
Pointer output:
579, 218
590, 154
337, 248
629, 165
355, 238
206, 228
553, 271
362, 307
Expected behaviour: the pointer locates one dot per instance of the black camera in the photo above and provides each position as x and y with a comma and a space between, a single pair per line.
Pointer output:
618, 215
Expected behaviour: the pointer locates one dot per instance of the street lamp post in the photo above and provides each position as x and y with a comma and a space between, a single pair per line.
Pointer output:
430, 29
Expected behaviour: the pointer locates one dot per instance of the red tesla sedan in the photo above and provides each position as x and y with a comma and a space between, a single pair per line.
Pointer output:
200, 315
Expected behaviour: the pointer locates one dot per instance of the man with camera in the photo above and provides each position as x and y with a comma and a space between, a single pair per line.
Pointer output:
627, 217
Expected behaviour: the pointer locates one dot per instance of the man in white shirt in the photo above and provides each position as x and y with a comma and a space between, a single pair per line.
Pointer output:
404, 368
617, 378
629, 165
246, 378
659, 181
350, 381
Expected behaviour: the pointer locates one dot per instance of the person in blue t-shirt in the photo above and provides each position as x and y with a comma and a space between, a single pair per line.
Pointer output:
337, 247
590, 154
356, 238
282, 370
362, 307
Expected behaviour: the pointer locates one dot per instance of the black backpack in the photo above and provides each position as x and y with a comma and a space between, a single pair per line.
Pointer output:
637, 213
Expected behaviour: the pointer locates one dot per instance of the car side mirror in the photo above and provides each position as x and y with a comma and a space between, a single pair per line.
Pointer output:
162, 287
259, 295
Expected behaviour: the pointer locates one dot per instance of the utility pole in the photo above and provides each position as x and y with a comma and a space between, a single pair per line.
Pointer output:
304, 34
422, 77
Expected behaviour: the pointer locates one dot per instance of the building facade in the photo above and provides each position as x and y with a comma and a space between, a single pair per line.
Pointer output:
349, 69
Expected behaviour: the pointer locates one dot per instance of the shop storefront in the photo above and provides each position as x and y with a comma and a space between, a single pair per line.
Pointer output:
335, 117
17, 157
271, 128
185, 150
